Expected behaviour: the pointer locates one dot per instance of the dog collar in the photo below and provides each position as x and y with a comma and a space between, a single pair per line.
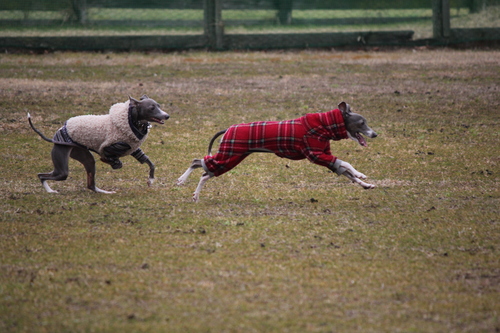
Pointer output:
138, 128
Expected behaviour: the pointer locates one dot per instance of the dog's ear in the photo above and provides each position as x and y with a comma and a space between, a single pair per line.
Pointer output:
344, 108
144, 97
133, 107
133, 101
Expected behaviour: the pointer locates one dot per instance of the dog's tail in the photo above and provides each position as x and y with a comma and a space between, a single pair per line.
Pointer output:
37, 131
213, 139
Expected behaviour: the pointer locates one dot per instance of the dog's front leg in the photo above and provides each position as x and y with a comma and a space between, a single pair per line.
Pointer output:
151, 178
354, 179
354, 175
143, 158
353, 171
112, 153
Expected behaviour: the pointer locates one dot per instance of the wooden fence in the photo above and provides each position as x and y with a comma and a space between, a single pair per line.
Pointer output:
214, 37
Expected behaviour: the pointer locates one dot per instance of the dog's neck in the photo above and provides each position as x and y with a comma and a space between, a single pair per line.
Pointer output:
139, 127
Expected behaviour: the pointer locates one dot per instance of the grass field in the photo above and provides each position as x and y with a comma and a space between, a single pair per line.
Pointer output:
274, 245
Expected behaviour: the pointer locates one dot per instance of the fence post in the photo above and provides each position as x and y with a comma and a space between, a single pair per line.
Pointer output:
477, 5
213, 26
284, 14
80, 10
446, 18
441, 18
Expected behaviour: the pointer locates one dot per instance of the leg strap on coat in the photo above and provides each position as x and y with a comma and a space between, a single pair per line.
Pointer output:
140, 156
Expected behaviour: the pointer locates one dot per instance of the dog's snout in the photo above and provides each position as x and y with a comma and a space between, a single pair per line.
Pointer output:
165, 115
374, 135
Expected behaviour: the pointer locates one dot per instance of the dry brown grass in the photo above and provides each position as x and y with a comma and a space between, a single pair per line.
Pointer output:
419, 253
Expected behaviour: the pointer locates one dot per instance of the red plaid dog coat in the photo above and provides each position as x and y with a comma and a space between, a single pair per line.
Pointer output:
305, 137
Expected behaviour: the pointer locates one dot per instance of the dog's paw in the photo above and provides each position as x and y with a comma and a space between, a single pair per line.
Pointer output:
47, 188
180, 181
98, 190
350, 169
367, 186
359, 175
196, 197
151, 181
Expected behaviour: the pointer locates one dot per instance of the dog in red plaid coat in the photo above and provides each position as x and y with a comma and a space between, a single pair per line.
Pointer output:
307, 137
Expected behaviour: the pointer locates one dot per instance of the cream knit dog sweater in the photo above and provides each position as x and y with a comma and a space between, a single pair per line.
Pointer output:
98, 132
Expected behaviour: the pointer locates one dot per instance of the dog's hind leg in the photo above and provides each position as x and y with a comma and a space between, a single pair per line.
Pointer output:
60, 155
194, 165
85, 157
44, 182
196, 195
206, 176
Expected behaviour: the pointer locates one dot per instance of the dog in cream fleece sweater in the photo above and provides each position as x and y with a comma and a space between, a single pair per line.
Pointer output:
114, 135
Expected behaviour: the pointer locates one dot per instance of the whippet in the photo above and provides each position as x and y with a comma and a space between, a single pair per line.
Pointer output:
306, 137
117, 134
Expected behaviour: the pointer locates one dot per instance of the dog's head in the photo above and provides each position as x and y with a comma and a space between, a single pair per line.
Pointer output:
147, 110
356, 125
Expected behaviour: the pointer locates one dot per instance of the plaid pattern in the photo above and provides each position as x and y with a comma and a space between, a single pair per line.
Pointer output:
306, 137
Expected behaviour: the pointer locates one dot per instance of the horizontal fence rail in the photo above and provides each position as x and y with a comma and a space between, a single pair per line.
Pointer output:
243, 24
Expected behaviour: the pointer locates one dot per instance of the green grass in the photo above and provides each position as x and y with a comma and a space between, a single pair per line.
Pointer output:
274, 245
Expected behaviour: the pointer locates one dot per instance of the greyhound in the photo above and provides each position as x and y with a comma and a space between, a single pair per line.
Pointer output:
117, 134
305, 137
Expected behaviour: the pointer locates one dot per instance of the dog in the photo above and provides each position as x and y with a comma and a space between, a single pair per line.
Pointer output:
306, 137
117, 134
